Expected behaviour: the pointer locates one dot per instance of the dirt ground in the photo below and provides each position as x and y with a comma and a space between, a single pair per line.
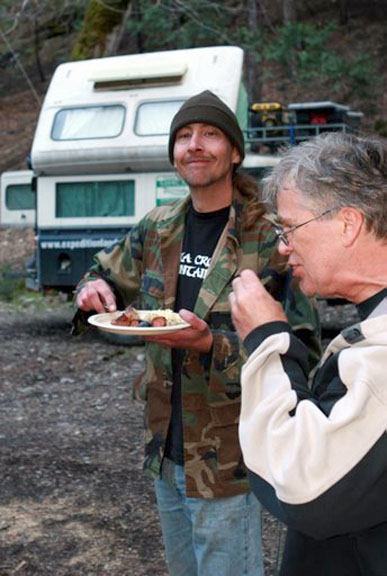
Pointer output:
74, 501
73, 498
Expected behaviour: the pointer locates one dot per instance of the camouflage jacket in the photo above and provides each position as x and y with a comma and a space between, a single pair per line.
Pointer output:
144, 267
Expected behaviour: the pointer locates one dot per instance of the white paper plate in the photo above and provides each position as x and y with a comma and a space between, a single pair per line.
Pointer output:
104, 322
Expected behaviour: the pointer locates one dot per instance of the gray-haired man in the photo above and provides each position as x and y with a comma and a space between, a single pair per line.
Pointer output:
318, 456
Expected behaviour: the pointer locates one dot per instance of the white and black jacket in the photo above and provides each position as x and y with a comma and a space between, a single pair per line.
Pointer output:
317, 456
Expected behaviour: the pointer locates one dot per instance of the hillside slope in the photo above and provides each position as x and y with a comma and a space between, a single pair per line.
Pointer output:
19, 108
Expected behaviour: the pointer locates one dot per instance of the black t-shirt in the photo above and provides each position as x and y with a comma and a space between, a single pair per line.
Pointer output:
202, 232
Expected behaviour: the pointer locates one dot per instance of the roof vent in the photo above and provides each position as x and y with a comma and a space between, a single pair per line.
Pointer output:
154, 75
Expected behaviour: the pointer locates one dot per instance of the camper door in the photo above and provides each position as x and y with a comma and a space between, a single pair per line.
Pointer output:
17, 199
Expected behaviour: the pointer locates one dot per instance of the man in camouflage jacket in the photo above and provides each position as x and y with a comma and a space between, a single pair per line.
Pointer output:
211, 390
144, 268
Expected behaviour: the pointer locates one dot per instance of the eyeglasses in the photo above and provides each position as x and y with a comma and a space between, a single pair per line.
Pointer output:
282, 233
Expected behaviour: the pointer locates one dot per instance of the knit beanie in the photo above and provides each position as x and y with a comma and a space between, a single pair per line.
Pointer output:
209, 109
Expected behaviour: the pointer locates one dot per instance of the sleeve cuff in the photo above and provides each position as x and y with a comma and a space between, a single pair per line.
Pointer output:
79, 323
258, 335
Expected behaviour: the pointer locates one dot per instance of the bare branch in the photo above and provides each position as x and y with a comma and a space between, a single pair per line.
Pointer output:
196, 17
109, 7
16, 19
21, 68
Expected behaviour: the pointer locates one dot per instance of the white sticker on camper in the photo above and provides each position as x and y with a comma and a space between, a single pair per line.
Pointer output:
74, 244
168, 189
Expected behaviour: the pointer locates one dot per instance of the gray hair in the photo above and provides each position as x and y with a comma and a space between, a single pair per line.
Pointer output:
338, 170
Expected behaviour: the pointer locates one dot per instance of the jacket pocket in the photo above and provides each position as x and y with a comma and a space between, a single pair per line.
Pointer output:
152, 290
225, 418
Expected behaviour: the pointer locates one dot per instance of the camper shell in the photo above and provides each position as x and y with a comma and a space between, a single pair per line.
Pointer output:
100, 150
112, 115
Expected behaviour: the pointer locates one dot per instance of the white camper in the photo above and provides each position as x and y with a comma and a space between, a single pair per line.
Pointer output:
99, 153
113, 114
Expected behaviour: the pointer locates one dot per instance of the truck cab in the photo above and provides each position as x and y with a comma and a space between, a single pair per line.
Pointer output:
17, 198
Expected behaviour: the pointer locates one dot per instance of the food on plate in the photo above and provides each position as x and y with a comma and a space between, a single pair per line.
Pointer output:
146, 318
129, 317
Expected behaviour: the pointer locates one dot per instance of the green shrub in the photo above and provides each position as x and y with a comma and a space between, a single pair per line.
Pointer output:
380, 126
303, 50
11, 285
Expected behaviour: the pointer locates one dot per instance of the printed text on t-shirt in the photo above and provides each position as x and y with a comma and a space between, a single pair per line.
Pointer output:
194, 266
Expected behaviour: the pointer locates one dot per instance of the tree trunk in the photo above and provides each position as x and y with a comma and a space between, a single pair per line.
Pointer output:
289, 11
343, 12
253, 76
100, 20
289, 17
140, 41
37, 52
114, 39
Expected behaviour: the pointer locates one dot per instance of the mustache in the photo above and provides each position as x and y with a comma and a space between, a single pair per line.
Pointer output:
197, 157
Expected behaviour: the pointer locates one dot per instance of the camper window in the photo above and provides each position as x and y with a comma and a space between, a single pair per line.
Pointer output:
154, 118
88, 122
95, 199
19, 197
